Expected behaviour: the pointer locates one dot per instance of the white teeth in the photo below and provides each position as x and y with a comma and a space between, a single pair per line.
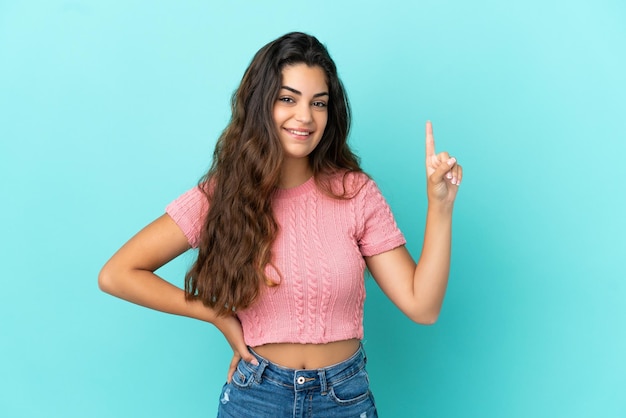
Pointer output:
298, 132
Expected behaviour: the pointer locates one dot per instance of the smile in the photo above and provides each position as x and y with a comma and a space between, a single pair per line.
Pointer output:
299, 133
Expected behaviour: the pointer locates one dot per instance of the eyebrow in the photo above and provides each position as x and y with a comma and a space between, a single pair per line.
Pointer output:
291, 89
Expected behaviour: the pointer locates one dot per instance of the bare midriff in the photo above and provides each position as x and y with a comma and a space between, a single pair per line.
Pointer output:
308, 356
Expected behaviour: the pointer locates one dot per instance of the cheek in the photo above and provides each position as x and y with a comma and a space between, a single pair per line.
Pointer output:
276, 116
322, 121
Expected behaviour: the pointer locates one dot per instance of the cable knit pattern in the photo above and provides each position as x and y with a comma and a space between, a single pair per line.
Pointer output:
319, 252
255, 328
313, 276
295, 276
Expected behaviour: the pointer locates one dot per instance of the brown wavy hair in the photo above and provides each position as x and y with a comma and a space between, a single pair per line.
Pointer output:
236, 240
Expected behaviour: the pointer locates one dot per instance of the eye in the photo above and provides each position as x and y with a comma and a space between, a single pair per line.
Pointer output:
319, 104
286, 99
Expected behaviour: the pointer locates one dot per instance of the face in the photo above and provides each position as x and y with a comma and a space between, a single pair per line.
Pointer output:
301, 110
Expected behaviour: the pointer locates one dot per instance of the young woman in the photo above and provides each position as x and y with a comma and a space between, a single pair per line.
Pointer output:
285, 223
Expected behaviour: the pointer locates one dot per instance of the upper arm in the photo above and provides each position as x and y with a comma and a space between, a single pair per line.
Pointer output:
394, 271
152, 247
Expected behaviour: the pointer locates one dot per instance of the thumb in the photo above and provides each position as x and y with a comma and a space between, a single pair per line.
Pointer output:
442, 169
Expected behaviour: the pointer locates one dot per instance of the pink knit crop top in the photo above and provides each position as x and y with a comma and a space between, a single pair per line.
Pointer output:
319, 251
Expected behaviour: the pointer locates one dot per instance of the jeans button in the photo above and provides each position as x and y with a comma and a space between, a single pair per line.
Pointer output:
300, 380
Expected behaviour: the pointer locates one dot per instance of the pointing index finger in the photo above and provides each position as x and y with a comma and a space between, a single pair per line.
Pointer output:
430, 140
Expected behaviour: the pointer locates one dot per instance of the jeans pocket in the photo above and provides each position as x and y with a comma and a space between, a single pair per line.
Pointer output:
352, 390
244, 375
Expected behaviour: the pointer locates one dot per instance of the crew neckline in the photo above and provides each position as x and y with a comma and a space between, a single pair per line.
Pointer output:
304, 188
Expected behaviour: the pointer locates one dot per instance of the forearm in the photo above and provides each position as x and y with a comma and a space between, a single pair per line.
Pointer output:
431, 273
145, 288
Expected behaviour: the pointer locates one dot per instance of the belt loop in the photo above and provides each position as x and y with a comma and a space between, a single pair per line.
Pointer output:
259, 372
323, 387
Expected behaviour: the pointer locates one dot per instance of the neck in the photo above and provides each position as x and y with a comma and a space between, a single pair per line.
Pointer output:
295, 172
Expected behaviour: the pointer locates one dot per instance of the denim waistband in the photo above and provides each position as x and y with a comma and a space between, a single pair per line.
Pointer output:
308, 379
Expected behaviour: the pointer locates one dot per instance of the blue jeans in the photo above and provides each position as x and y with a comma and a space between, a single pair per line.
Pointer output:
270, 390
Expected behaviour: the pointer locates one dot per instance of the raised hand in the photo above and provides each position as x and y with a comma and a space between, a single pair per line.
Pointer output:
443, 172
232, 330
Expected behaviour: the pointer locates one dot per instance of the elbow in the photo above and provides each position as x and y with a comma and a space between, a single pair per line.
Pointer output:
106, 281
425, 318
428, 321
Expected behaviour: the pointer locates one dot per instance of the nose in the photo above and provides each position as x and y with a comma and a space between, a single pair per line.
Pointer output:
303, 113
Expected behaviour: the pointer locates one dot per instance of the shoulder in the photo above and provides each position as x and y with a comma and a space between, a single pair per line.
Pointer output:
194, 198
349, 184
189, 211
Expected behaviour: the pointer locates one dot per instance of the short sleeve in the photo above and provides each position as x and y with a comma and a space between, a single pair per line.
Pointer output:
189, 211
378, 229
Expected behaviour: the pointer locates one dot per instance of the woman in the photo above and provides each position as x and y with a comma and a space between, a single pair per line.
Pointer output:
286, 222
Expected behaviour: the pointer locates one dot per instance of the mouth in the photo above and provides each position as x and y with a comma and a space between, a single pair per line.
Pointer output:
299, 133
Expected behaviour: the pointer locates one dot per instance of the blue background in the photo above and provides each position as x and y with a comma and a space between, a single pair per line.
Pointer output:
110, 109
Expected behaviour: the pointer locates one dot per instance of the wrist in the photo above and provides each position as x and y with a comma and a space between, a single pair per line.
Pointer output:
440, 208
201, 311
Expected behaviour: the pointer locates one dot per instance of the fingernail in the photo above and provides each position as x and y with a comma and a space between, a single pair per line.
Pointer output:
453, 181
449, 175
254, 362
451, 161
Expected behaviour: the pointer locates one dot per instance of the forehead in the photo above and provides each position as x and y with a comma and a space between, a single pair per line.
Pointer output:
306, 77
